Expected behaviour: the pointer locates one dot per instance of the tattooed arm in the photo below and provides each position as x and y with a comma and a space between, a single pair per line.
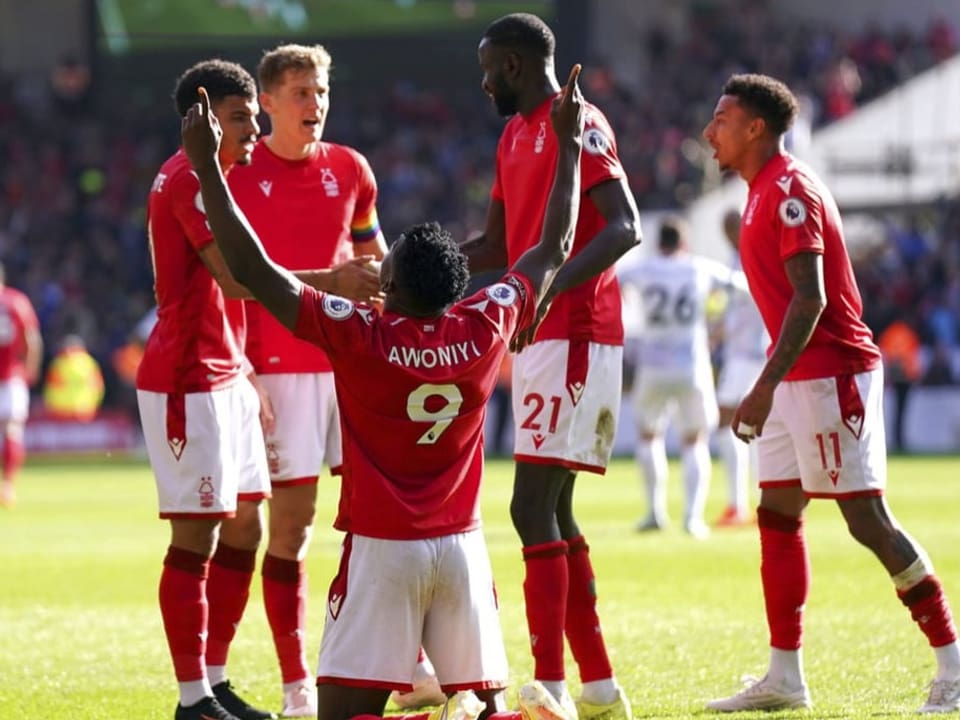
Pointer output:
805, 272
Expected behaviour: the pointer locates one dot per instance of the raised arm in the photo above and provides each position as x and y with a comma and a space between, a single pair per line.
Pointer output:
541, 262
275, 288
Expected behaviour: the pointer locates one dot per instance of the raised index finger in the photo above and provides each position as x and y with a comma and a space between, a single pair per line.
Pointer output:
204, 100
572, 80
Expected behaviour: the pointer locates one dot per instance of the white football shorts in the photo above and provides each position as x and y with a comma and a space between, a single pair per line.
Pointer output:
14, 400
401, 594
206, 450
566, 400
691, 401
826, 435
736, 379
307, 433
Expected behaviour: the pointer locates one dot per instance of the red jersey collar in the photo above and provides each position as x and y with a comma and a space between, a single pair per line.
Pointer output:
539, 111
773, 168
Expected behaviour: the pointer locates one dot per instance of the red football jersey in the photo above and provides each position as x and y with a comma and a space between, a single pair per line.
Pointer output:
413, 397
526, 163
16, 318
193, 346
307, 213
789, 211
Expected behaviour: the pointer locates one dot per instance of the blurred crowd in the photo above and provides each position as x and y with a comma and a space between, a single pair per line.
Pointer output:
74, 175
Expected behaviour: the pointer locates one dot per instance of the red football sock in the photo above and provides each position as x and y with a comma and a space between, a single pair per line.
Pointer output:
285, 600
785, 573
545, 591
183, 606
13, 456
228, 588
930, 610
583, 623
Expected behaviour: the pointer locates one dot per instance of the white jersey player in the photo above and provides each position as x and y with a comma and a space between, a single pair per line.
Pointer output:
674, 374
745, 343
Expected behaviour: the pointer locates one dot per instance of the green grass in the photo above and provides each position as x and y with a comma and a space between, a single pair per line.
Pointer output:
80, 633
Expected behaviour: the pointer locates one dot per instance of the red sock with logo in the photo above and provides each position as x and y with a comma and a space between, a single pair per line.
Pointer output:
285, 600
183, 607
930, 610
228, 588
785, 573
582, 622
545, 591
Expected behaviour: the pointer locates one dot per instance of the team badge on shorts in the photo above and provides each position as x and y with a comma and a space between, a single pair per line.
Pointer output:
502, 294
792, 212
336, 307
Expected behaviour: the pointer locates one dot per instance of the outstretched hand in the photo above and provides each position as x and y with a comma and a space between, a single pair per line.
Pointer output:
200, 131
566, 112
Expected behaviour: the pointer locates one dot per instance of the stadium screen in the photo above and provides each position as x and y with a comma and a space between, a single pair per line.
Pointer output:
129, 26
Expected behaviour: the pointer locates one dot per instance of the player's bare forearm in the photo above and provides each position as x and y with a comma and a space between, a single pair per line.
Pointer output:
275, 288
621, 233
483, 254
805, 272
541, 262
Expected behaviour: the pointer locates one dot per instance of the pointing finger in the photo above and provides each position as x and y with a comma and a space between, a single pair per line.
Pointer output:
204, 100
572, 80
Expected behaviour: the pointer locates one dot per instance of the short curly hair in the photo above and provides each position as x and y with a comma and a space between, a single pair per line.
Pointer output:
765, 97
429, 265
522, 31
221, 78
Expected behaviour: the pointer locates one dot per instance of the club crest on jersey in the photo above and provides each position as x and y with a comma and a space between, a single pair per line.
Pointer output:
541, 137
793, 212
329, 181
595, 142
336, 307
502, 294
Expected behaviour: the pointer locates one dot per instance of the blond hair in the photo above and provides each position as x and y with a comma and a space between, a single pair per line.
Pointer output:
276, 62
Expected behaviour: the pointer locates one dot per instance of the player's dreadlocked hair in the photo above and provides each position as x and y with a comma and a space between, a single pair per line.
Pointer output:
430, 267
523, 31
221, 78
767, 98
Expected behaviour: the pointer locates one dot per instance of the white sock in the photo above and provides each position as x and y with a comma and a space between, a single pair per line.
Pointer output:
948, 661
216, 674
194, 691
599, 692
786, 668
696, 480
557, 688
736, 461
652, 457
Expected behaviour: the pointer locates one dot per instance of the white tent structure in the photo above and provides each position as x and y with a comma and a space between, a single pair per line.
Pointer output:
899, 150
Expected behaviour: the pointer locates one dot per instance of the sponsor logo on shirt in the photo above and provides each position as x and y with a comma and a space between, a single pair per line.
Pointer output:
502, 294
265, 187
336, 307
751, 209
793, 212
784, 183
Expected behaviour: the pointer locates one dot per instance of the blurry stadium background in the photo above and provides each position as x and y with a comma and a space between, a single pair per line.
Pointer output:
86, 119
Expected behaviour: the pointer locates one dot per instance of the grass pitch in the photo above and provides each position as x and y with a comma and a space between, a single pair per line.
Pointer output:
80, 632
